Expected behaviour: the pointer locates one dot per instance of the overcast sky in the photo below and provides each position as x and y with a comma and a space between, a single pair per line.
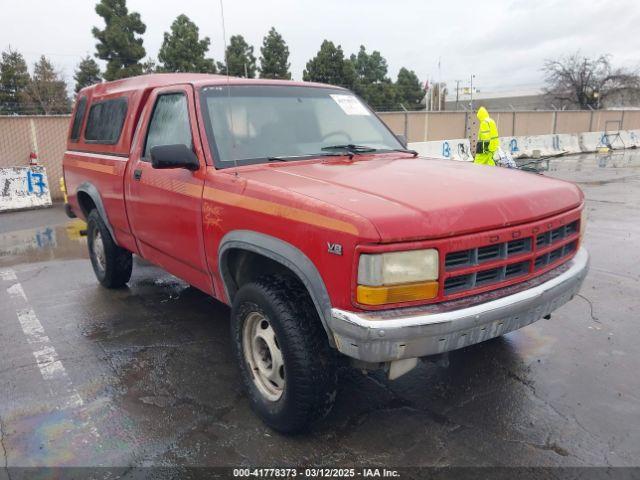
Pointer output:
503, 43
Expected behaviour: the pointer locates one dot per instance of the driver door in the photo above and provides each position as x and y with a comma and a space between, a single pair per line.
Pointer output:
164, 205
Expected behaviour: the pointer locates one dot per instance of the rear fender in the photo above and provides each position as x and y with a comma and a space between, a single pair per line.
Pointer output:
92, 191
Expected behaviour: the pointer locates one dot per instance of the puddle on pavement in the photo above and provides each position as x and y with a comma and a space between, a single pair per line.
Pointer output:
531, 343
614, 159
44, 243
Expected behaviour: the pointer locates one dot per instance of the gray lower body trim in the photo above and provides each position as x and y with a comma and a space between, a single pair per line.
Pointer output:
283, 253
92, 191
394, 334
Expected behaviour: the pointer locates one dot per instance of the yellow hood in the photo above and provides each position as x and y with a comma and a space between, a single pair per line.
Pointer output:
482, 114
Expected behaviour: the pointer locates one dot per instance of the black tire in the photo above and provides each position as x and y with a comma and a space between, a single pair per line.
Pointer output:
69, 211
309, 362
113, 266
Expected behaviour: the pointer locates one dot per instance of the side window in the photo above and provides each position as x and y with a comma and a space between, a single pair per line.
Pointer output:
169, 123
77, 119
105, 121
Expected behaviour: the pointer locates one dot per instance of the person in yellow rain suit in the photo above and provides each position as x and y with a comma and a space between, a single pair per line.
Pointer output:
488, 140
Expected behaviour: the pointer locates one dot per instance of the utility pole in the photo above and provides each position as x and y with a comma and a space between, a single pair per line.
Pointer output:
471, 121
457, 95
439, 83
431, 97
471, 92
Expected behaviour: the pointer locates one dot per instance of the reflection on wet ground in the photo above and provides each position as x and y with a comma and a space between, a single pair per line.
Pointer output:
44, 243
612, 159
149, 378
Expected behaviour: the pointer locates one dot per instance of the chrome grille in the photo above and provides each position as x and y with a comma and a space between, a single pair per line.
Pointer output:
506, 255
550, 257
485, 277
556, 234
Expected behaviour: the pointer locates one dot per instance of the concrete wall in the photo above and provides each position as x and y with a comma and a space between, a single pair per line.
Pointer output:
431, 126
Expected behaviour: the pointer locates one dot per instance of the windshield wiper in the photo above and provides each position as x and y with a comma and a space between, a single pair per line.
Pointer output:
350, 147
298, 157
357, 149
406, 150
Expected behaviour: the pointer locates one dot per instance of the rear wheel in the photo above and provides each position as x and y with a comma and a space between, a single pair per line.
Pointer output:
287, 366
111, 264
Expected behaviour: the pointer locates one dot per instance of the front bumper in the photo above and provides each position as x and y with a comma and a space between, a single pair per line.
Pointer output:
389, 335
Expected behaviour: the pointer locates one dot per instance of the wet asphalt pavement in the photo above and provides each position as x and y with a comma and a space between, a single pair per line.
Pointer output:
145, 376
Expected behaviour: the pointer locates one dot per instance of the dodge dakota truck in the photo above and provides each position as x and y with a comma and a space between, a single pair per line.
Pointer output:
331, 241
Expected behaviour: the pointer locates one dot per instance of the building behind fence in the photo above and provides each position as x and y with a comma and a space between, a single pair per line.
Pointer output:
46, 135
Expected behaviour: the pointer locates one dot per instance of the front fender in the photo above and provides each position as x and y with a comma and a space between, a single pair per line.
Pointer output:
287, 255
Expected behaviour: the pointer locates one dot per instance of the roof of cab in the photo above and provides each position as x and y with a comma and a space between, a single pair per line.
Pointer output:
154, 80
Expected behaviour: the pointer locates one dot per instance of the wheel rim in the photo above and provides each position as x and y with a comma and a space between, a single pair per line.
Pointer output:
263, 356
98, 250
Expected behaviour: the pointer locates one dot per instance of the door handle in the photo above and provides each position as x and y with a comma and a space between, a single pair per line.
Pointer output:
137, 174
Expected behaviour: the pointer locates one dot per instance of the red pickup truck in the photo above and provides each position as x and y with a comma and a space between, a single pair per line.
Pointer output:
293, 203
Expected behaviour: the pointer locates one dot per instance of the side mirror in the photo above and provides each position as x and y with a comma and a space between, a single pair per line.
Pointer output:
174, 156
402, 139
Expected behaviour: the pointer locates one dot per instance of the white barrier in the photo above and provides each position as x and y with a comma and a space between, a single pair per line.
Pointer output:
457, 149
568, 142
591, 141
23, 187
524, 147
631, 138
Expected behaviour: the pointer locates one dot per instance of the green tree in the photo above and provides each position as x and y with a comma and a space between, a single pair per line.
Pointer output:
87, 73
369, 68
240, 58
119, 44
274, 57
409, 90
330, 66
183, 51
371, 81
14, 79
47, 91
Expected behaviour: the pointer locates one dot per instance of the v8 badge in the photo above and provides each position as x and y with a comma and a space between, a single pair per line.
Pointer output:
334, 248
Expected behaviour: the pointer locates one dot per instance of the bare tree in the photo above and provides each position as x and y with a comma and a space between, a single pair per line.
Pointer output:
588, 82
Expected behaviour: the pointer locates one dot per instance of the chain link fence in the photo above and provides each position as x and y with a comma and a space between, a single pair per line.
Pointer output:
42, 135
45, 135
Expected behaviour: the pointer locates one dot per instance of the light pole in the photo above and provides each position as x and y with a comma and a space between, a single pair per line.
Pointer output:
471, 92
471, 122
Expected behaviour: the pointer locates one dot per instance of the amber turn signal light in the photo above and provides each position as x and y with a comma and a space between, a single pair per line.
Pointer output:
410, 292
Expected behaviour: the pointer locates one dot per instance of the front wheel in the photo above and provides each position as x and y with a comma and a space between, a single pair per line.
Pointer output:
111, 264
287, 366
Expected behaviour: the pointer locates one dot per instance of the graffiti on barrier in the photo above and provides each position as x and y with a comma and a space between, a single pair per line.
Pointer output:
37, 179
446, 149
463, 152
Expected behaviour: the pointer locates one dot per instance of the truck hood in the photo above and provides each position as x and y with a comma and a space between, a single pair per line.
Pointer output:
417, 198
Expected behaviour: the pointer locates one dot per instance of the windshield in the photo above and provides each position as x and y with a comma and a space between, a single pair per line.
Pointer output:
251, 124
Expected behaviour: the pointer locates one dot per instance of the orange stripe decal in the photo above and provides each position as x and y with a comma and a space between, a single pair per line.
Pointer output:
175, 186
96, 167
278, 210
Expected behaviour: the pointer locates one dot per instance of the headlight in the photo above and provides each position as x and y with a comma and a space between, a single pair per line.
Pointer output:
396, 277
398, 267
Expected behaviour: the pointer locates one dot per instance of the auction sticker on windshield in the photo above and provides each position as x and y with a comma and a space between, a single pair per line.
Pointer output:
350, 104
